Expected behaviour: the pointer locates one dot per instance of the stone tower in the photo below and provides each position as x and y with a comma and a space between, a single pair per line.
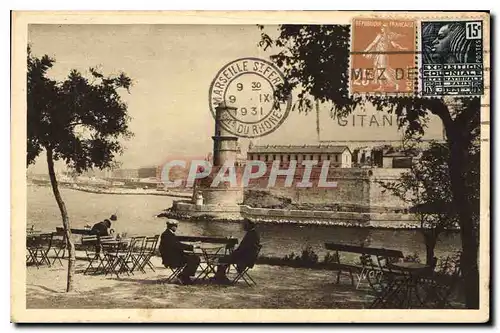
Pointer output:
225, 143
225, 152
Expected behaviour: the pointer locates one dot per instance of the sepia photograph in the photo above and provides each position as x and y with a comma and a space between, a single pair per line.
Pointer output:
326, 166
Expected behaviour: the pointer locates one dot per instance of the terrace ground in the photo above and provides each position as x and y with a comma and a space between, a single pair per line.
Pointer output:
277, 287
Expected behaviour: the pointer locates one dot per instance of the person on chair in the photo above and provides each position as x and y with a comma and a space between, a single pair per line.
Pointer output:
173, 253
102, 228
243, 256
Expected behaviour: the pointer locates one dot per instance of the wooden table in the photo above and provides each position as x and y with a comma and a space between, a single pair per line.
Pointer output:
410, 266
228, 242
209, 249
115, 241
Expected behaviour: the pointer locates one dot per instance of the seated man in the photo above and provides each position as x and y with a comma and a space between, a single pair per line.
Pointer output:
103, 228
173, 253
243, 256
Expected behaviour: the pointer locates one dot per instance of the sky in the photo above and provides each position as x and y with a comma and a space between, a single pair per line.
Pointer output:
172, 67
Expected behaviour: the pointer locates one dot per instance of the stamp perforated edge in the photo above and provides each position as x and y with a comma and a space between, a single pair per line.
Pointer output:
485, 51
386, 18
476, 16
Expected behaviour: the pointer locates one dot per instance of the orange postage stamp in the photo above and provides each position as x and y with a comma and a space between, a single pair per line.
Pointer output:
383, 56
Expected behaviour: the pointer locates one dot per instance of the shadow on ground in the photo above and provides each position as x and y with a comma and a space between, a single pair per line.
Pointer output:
277, 288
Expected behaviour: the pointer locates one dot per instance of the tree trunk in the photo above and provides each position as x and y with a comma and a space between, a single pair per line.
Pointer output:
64, 214
469, 262
430, 244
458, 136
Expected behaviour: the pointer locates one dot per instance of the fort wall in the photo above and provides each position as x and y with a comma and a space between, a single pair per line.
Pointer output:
381, 199
358, 200
266, 215
355, 188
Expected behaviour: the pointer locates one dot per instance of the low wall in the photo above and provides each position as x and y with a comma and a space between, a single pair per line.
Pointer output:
374, 220
186, 210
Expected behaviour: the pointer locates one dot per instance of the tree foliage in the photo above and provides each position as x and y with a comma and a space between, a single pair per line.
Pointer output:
81, 120
426, 188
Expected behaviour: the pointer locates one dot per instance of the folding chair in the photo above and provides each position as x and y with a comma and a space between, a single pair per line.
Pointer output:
92, 249
31, 248
138, 251
59, 245
387, 290
440, 286
93, 246
149, 251
38, 248
243, 274
176, 271
368, 265
109, 252
130, 260
385, 281
119, 258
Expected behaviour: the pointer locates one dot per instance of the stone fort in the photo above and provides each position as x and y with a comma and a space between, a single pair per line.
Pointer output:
358, 196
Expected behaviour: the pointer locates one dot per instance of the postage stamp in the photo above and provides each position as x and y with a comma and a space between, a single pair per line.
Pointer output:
452, 58
249, 84
382, 56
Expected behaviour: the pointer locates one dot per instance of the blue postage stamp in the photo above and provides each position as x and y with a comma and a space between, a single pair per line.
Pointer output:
452, 58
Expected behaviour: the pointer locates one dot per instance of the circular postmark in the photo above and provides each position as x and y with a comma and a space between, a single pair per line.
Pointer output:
248, 85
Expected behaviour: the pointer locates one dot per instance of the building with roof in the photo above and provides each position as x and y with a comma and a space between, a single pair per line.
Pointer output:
125, 173
147, 172
362, 157
339, 156
393, 157
385, 156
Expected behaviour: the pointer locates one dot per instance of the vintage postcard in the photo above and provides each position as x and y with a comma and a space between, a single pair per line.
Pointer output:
318, 167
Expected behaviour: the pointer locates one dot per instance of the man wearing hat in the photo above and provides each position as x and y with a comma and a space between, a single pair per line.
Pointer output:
103, 228
173, 253
243, 256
